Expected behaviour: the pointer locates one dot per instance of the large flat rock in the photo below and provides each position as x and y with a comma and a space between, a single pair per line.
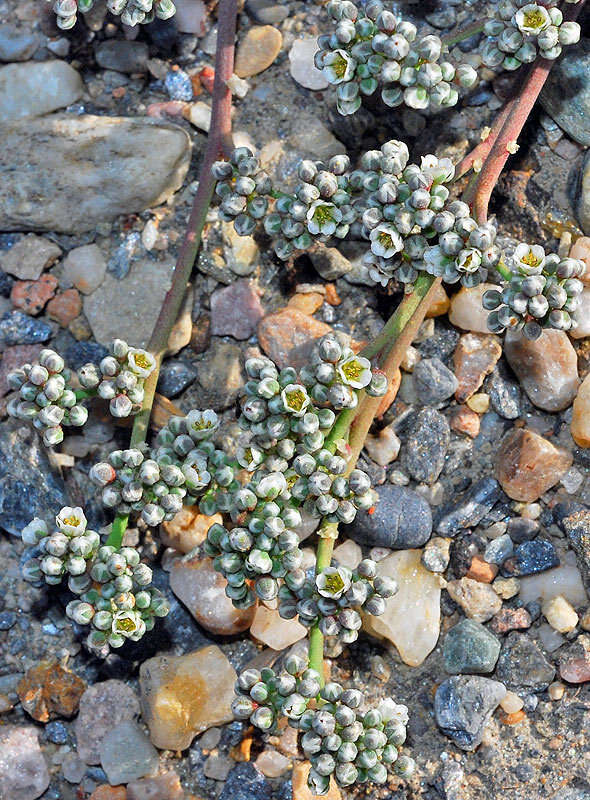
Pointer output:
67, 174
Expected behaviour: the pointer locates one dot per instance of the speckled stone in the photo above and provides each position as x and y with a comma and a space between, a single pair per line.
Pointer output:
470, 648
23, 770
402, 519
427, 445
102, 706
463, 705
537, 555
522, 665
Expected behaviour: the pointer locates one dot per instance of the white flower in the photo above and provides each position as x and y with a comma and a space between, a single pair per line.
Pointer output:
295, 399
355, 371
338, 66
141, 362
71, 521
323, 218
393, 712
271, 486
529, 259
532, 18
34, 531
385, 241
333, 582
438, 168
249, 456
126, 623
468, 260
202, 424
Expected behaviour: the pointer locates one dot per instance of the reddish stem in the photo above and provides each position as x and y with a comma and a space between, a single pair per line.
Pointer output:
482, 150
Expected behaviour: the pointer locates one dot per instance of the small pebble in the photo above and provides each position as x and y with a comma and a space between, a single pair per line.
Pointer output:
556, 690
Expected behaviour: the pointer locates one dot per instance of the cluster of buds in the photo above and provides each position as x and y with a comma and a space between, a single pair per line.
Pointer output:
244, 190
352, 745
132, 12
46, 397
67, 11
334, 598
370, 48
543, 292
120, 377
522, 30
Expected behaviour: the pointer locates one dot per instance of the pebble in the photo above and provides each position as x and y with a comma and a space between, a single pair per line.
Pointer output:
65, 307
122, 55
522, 665
527, 465
244, 782
36, 88
73, 768
266, 12
220, 377
480, 570
329, 262
348, 554
463, 705
475, 357
105, 792
556, 690
582, 316
241, 253
236, 310
7, 620
47, 691
434, 381
565, 580
511, 703
175, 377
288, 336
511, 619
163, 787
467, 311
411, 620
302, 66
178, 84
199, 115
202, 590
498, 550
217, 768
439, 304
176, 697
580, 425
464, 420
17, 45
436, 554
470, 508
40, 160
427, 445
301, 790
570, 108
29, 256
469, 648
522, 529
272, 764
402, 519
530, 557
506, 587
384, 447
84, 267
581, 250
23, 771
546, 368
478, 600
191, 17
187, 529
576, 671
102, 706
560, 614
577, 528
504, 392
56, 732
257, 50
32, 296
110, 312
126, 753
269, 628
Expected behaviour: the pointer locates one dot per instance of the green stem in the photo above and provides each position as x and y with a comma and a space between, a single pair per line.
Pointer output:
504, 271
85, 394
463, 33
118, 529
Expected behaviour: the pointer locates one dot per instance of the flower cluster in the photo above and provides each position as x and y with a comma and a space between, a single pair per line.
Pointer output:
543, 292
243, 188
120, 377
115, 595
370, 48
46, 397
522, 30
132, 12
334, 598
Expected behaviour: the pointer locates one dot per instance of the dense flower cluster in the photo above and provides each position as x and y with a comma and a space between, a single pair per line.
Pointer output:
46, 397
543, 292
522, 30
243, 188
132, 12
120, 377
115, 595
370, 48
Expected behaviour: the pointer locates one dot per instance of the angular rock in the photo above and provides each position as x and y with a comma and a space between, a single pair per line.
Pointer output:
522, 665
274, 631
191, 17
257, 50
580, 425
65, 307
480, 570
36, 88
475, 357
14, 357
427, 446
577, 528
301, 790
498, 550
436, 554
52, 161
85, 267
174, 377
23, 771
126, 753
236, 310
565, 580
467, 311
187, 529
102, 706
244, 782
469, 648
166, 786
384, 447
463, 705
32, 296
328, 261
527, 465
302, 67
470, 508
478, 600
202, 590
547, 368
402, 519
48, 691
505, 394
511, 619
464, 420
434, 381
17, 45
182, 696
412, 616
220, 378
28, 258
122, 55
288, 336
570, 108
19, 328
530, 557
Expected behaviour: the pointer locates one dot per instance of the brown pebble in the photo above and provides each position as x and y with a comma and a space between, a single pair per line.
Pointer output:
106, 792
513, 719
32, 296
475, 357
511, 619
47, 691
527, 465
65, 307
464, 420
481, 571
257, 50
308, 302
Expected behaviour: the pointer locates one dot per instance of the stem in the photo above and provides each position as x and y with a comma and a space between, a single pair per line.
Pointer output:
463, 33
482, 150
84, 394
219, 142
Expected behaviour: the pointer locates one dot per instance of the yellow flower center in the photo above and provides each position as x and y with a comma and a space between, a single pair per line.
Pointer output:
352, 370
74, 521
296, 399
323, 214
530, 259
534, 19
126, 624
334, 583
339, 67
202, 425
142, 361
384, 239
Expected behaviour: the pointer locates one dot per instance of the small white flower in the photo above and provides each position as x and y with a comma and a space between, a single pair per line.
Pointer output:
438, 168
468, 260
71, 521
295, 399
356, 372
34, 531
333, 582
249, 456
271, 486
141, 362
323, 218
125, 623
532, 18
338, 67
529, 259
385, 241
392, 711
202, 424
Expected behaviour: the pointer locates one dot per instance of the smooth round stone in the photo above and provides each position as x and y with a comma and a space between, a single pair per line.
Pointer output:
303, 69
467, 311
434, 381
566, 94
257, 50
126, 753
401, 520
528, 464
560, 614
580, 426
470, 648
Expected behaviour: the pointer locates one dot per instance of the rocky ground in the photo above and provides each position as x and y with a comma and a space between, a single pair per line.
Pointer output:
484, 513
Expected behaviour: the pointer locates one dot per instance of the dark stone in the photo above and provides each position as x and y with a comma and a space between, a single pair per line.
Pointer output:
7, 620
565, 509
175, 376
434, 381
470, 648
5, 284
577, 529
530, 557
329, 263
468, 510
77, 354
19, 328
28, 485
522, 665
427, 445
244, 782
401, 520
566, 94
442, 344
505, 394
119, 263
463, 705
57, 732
521, 529
122, 56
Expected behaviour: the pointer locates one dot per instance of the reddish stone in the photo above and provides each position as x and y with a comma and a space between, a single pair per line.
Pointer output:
577, 670
236, 310
207, 76
527, 465
32, 296
14, 357
511, 619
65, 307
106, 792
288, 336
47, 691
307, 302
162, 787
475, 357
481, 571
464, 420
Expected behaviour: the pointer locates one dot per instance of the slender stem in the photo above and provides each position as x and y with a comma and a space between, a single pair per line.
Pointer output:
482, 150
463, 33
